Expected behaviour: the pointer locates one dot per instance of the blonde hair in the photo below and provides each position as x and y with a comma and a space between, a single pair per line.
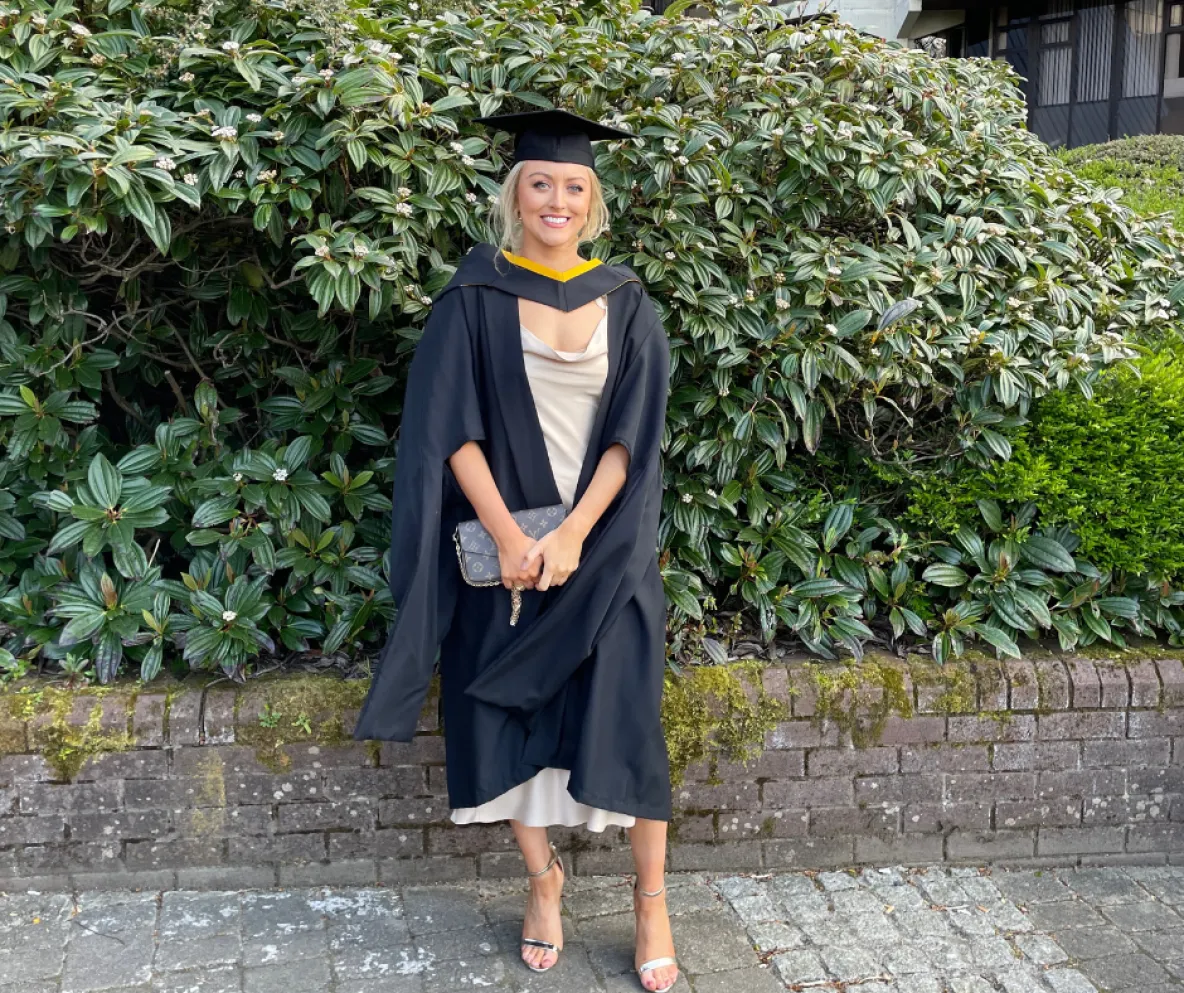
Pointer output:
507, 226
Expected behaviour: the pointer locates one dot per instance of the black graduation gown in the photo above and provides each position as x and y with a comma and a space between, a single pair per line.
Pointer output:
577, 684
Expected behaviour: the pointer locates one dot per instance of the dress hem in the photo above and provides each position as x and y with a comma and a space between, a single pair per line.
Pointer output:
648, 812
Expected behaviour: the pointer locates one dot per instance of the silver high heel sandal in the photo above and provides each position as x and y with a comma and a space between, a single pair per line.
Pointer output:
538, 942
653, 964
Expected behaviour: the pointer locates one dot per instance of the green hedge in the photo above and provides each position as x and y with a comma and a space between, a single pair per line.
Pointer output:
223, 224
1149, 169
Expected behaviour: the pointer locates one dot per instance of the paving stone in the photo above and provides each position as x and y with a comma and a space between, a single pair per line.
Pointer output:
269, 913
428, 910
858, 902
753, 909
448, 977
1040, 949
572, 972
1093, 942
1144, 917
220, 980
288, 977
383, 984
920, 983
354, 904
851, 965
610, 943
711, 943
832, 881
444, 946
373, 948
1058, 916
196, 953
802, 966
1121, 971
735, 886
1020, 981
1068, 981
628, 984
1006, 916
992, 954
32, 952
740, 981
595, 903
1163, 946
283, 946
1031, 887
970, 984
690, 900
1104, 886
111, 943
901, 898
774, 937
792, 886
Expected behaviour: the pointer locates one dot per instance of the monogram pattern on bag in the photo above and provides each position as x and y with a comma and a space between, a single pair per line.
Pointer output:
477, 551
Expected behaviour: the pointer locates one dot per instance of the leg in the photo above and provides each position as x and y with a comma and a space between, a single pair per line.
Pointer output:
542, 909
654, 939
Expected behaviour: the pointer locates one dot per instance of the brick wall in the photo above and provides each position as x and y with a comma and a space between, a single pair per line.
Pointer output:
1066, 762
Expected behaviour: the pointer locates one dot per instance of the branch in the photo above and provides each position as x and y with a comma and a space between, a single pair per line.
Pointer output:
120, 402
181, 401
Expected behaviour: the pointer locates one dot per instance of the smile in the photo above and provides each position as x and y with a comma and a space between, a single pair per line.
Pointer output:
553, 221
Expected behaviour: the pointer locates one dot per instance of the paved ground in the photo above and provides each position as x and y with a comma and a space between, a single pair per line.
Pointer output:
881, 931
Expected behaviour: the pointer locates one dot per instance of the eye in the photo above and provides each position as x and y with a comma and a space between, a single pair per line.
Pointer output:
540, 183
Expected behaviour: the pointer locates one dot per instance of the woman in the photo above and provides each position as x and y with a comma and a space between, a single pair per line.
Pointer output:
540, 382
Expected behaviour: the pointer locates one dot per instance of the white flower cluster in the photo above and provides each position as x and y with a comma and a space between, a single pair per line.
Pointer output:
238, 477
226, 132
186, 77
229, 616
671, 215
687, 498
325, 73
426, 301
267, 175
280, 475
404, 209
81, 30
360, 251
782, 304
191, 178
254, 118
323, 252
231, 46
671, 256
404, 192
167, 164
468, 160
457, 147
470, 198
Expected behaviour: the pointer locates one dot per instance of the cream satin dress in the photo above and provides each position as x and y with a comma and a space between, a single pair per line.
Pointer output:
567, 387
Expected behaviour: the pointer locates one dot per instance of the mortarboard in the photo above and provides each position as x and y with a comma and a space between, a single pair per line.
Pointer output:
553, 135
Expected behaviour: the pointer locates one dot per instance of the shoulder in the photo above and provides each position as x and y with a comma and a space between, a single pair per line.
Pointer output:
475, 269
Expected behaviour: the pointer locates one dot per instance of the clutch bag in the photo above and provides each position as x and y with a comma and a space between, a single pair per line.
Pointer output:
477, 551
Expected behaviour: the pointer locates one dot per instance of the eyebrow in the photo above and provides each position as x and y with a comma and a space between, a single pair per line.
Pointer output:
547, 175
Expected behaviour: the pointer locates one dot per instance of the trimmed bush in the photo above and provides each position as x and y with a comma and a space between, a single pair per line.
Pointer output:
1149, 169
223, 225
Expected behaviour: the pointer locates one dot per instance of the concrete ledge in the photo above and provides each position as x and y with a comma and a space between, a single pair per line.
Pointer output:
1047, 761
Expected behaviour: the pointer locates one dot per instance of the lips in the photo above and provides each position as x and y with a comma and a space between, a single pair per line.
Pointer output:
555, 222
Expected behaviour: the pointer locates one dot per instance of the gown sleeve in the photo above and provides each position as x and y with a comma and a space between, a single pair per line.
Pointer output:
441, 412
536, 665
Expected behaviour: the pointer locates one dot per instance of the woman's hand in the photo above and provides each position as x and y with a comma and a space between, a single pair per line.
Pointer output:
512, 550
559, 553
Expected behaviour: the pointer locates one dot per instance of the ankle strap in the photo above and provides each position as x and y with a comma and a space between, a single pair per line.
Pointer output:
547, 867
657, 892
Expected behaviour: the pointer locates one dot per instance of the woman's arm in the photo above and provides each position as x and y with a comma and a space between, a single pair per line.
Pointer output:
472, 473
560, 550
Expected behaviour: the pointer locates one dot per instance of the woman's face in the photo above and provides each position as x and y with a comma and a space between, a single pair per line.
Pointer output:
553, 199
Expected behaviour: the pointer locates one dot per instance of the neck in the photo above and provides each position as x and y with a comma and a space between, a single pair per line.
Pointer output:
560, 257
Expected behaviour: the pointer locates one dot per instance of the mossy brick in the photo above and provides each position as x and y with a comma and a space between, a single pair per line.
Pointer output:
176, 853
356, 814
785, 824
13, 732
1085, 687
728, 796
941, 818
921, 849
140, 763
148, 719
310, 755
1062, 812
775, 680
1152, 724
809, 853
170, 794
898, 730
412, 811
423, 749
1078, 841
990, 845
1053, 684
26, 769
70, 856
735, 856
944, 758
1135, 752
990, 680
384, 843
802, 734
203, 760
184, 718
32, 830
65, 798
851, 761
835, 791
123, 824
1084, 783
440, 869
1171, 675
118, 878
217, 717
776, 764
470, 839
907, 788
396, 781
985, 786
1155, 838
1145, 685
294, 788
1083, 725
1030, 756
1112, 810
1115, 684
1001, 727
1023, 691
834, 822
805, 696
223, 822
276, 849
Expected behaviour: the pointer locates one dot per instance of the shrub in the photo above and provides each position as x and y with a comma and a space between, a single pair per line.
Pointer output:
1149, 169
1110, 468
223, 224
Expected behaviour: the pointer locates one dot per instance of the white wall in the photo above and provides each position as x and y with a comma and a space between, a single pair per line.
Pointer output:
885, 18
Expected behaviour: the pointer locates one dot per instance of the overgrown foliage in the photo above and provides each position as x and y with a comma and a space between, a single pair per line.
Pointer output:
224, 222
1149, 169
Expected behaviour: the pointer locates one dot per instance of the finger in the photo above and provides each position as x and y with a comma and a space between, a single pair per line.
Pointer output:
535, 551
548, 575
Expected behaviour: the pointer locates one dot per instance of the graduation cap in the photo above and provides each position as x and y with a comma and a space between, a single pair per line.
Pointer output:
553, 135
